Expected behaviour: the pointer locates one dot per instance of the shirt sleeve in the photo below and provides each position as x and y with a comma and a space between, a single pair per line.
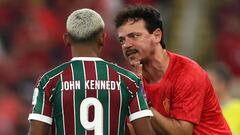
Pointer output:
42, 107
138, 105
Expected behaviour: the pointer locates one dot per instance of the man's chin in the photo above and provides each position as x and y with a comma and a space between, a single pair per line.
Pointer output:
133, 62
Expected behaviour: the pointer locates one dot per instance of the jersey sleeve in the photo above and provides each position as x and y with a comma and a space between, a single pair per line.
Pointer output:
188, 98
138, 105
42, 107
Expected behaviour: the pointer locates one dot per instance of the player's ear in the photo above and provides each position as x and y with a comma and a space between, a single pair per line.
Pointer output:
157, 35
101, 41
102, 38
66, 39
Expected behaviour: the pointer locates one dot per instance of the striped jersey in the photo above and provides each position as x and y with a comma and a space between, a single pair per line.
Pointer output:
88, 96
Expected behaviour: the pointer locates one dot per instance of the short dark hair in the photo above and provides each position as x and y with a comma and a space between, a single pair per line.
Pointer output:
149, 14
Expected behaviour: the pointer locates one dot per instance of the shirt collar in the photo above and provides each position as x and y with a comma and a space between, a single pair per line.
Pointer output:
87, 58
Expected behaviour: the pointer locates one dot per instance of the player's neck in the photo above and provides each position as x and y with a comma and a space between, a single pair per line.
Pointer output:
84, 51
155, 68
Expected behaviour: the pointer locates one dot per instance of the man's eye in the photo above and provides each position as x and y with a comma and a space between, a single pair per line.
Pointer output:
135, 35
121, 41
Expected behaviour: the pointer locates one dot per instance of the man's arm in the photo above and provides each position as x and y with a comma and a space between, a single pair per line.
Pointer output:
129, 130
142, 126
170, 126
38, 128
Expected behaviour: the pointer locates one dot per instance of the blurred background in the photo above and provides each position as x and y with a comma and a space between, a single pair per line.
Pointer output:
31, 43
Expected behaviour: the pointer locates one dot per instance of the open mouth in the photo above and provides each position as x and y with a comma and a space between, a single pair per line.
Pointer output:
130, 52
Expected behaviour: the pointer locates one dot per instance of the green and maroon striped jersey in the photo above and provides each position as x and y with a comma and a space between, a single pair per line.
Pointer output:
88, 96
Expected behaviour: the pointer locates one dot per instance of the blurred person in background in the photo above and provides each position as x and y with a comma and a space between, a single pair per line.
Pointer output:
221, 78
181, 95
70, 98
228, 36
227, 46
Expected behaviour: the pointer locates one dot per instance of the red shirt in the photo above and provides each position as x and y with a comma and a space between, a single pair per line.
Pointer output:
185, 93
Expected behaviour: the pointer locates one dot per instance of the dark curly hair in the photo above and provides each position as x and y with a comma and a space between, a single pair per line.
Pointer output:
149, 14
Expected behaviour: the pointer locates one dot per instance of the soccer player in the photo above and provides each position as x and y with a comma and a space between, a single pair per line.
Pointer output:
179, 90
87, 95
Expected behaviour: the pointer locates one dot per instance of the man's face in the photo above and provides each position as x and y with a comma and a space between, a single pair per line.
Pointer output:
137, 43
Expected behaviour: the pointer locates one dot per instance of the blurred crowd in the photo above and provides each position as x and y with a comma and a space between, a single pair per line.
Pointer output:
31, 43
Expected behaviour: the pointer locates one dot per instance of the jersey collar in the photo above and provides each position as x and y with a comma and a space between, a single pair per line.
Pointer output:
87, 58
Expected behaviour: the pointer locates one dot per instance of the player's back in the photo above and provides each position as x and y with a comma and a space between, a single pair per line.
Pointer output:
88, 95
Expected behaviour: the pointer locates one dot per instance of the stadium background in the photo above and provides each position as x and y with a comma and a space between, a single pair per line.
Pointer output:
31, 42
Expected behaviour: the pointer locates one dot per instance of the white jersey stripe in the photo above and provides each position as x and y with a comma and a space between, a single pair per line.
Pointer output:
43, 102
95, 65
120, 108
55, 128
139, 107
84, 73
74, 105
51, 71
51, 79
126, 76
131, 80
62, 109
50, 98
109, 101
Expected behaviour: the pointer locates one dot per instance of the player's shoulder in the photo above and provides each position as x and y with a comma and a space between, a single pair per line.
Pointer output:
188, 75
54, 71
187, 65
184, 68
123, 71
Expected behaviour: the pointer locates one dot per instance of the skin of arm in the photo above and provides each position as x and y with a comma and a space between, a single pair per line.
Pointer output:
129, 129
38, 128
170, 126
142, 127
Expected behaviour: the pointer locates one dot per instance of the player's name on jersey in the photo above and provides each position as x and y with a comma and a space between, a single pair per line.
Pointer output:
91, 84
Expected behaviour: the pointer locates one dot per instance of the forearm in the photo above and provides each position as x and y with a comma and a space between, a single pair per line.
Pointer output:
142, 126
38, 128
129, 129
169, 126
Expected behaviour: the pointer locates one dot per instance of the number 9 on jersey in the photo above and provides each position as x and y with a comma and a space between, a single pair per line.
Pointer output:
97, 123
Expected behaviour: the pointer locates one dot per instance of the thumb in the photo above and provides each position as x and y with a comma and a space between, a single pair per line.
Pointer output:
138, 69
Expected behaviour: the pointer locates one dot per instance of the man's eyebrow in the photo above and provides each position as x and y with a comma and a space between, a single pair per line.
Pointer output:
129, 34
132, 33
120, 37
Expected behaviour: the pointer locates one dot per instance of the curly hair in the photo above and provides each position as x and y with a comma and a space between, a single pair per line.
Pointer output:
149, 14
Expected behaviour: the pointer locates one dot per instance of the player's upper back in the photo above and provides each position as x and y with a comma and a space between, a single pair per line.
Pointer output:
96, 73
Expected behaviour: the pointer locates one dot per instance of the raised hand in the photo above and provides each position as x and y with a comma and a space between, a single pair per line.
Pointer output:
137, 68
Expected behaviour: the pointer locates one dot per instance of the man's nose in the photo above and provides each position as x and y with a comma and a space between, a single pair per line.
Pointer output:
128, 43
